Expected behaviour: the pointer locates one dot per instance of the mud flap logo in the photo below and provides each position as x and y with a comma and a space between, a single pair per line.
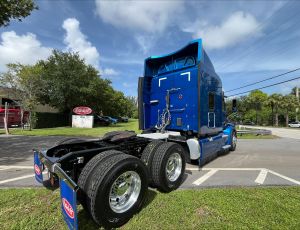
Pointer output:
37, 169
37, 165
68, 208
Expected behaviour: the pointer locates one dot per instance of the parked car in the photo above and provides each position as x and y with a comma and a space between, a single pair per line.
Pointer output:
112, 120
248, 123
100, 120
122, 119
295, 124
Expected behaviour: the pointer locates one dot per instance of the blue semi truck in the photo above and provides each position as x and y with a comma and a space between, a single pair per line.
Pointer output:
182, 115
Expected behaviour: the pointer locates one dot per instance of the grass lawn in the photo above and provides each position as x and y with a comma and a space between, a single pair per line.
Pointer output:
222, 208
69, 131
100, 131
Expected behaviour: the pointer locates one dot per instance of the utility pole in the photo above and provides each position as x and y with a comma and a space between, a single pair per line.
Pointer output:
297, 95
6, 119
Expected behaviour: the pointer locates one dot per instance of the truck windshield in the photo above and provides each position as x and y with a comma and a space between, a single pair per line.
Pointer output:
178, 63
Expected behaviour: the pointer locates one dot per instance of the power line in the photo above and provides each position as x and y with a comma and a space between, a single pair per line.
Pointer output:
265, 86
270, 78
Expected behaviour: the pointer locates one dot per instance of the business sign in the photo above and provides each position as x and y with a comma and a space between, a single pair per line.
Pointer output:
82, 110
82, 121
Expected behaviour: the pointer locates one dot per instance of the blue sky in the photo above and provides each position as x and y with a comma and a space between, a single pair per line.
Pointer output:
246, 41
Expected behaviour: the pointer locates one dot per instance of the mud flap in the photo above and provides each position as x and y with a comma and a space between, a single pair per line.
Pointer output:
38, 168
68, 204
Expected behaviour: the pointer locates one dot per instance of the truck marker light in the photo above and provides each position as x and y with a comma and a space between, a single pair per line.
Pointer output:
37, 169
68, 208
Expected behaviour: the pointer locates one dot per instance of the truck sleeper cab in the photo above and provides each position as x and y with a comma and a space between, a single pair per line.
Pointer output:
181, 92
181, 115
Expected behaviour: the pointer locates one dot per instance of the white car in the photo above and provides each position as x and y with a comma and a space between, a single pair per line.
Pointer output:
295, 124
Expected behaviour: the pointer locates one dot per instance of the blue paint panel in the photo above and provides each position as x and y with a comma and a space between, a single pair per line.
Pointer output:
38, 168
183, 98
68, 204
228, 131
210, 146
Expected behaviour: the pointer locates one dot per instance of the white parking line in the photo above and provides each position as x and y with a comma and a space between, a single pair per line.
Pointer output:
205, 177
225, 169
16, 178
19, 178
259, 180
285, 177
6, 167
261, 176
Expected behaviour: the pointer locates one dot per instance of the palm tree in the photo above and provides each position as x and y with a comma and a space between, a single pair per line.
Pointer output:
288, 103
274, 101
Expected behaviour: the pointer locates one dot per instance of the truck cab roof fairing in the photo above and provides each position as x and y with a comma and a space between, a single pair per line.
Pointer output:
193, 48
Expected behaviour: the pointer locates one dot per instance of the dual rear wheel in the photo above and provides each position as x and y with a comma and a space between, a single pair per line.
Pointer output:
165, 162
113, 185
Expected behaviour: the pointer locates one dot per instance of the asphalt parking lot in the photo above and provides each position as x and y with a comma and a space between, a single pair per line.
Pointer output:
254, 163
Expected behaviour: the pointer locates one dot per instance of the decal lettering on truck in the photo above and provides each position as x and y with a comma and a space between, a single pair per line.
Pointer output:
68, 208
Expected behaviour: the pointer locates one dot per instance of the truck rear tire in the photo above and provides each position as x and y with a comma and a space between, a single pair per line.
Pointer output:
147, 156
85, 175
168, 166
116, 190
233, 140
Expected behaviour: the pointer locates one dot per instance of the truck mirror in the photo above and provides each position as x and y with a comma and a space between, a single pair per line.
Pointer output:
234, 105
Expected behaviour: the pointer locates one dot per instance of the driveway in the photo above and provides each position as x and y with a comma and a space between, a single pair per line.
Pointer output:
254, 163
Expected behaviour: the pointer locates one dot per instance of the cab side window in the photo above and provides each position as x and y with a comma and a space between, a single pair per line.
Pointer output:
211, 101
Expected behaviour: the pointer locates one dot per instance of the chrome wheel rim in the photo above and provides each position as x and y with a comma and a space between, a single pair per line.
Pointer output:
124, 192
174, 167
234, 140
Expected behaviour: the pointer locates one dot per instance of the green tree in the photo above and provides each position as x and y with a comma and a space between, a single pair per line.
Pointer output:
25, 81
15, 9
131, 106
69, 82
288, 104
255, 100
294, 90
274, 101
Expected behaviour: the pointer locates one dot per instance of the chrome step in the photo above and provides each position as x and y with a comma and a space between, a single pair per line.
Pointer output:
226, 147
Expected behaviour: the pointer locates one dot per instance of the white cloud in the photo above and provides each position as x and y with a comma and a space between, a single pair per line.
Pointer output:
145, 42
25, 49
237, 27
146, 16
76, 41
129, 85
109, 72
